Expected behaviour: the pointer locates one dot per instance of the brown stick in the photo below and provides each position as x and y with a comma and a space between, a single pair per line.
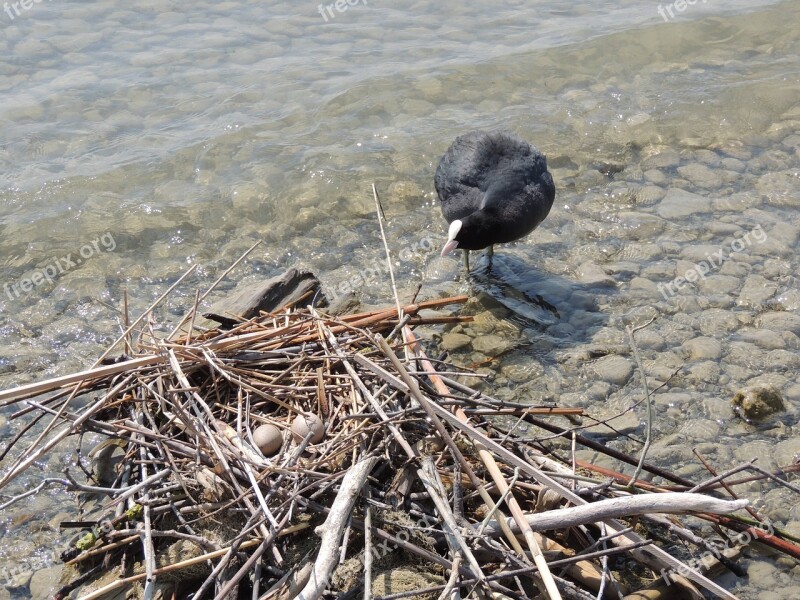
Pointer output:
359, 320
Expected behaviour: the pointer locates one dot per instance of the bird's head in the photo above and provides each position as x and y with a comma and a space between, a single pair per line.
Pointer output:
452, 237
473, 232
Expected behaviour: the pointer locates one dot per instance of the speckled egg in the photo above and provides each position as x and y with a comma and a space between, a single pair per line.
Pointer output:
268, 438
302, 424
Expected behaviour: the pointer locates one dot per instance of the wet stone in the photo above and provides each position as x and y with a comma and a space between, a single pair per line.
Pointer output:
583, 320
792, 340
663, 158
405, 191
484, 322
522, 372
613, 369
583, 300
30, 48
792, 393
706, 156
680, 203
764, 571
737, 202
593, 274
733, 164
759, 449
625, 268
701, 176
649, 339
674, 454
781, 241
249, 196
736, 149
45, 582
717, 322
655, 176
599, 391
455, 341
716, 408
20, 574
562, 330
626, 422
724, 229
703, 348
787, 452
744, 355
777, 267
641, 226
718, 284
763, 338
696, 253
650, 194
783, 359
698, 430
758, 402
780, 321
704, 372
491, 345
789, 300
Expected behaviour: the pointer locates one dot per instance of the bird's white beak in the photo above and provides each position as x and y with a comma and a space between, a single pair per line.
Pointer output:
449, 247
452, 244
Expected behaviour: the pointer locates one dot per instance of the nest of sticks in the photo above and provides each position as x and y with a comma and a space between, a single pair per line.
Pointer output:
379, 461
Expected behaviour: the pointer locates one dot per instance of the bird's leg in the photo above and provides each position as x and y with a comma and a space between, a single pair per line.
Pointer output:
489, 256
466, 260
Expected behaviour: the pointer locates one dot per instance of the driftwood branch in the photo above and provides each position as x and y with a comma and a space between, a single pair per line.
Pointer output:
333, 528
618, 508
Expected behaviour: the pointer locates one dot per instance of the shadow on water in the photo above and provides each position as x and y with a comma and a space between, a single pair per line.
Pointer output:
562, 309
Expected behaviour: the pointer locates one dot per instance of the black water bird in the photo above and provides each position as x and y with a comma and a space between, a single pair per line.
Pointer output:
494, 188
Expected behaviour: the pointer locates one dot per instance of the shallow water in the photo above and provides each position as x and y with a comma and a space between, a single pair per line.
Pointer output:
144, 137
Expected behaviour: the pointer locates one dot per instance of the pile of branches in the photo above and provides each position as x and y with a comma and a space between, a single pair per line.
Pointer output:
383, 458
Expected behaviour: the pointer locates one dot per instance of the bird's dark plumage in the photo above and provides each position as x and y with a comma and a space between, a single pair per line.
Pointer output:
498, 187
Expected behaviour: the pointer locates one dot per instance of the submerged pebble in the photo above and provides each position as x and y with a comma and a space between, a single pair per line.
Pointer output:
679, 203
758, 402
703, 348
613, 369
455, 341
